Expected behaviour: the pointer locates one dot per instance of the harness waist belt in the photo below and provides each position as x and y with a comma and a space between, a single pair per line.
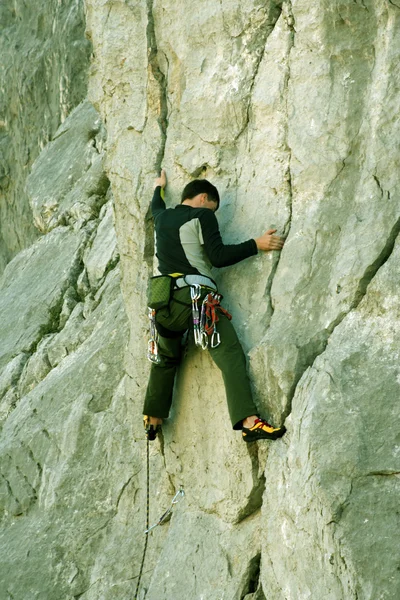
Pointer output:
195, 279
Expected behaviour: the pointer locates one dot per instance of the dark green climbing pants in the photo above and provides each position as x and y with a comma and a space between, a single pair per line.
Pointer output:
172, 322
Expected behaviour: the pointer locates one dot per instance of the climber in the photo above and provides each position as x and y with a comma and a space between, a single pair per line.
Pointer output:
188, 244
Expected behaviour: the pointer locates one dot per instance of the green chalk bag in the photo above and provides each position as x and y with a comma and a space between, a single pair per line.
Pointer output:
159, 291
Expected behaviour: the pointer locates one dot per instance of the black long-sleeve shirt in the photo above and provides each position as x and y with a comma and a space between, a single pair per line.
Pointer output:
189, 241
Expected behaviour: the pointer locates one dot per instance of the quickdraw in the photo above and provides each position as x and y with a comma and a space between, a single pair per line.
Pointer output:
200, 337
152, 346
205, 323
178, 496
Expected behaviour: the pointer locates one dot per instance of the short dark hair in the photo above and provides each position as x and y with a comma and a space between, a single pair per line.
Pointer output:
200, 186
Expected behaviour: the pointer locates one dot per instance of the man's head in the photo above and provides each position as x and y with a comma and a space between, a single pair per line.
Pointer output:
202, 192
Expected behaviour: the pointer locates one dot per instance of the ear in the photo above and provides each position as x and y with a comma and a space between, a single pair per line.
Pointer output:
204, 197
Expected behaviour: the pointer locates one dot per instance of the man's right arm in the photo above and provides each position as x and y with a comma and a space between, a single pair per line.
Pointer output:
268, 241
157, 203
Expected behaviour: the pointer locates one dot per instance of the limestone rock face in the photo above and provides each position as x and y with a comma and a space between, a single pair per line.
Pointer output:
38, 270
63, 332
43, 75
337, 496
290, 108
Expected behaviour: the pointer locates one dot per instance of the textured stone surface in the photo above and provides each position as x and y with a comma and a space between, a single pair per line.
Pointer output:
338, 476
103, 252
185, 561
75, 192
290, 108
43, 75
45, 269
345, 216
62, 475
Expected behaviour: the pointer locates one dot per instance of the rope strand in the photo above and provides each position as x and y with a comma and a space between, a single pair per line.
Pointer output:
147, 522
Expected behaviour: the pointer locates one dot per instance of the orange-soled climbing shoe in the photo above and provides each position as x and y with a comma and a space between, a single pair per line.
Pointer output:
262, 430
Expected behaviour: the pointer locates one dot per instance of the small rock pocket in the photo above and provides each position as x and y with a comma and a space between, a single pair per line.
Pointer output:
159, 291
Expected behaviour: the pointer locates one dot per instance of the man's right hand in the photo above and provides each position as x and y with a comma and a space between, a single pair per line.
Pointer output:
268, 241
162, 180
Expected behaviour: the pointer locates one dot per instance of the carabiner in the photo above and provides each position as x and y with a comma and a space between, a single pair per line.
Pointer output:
195, 292
216, 335
204, 341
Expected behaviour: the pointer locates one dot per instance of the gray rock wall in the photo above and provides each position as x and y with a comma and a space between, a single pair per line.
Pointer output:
290, 108
43, 76
66, 457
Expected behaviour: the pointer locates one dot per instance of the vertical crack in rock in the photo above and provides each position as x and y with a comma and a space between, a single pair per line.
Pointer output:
164, 458
162, 120
160, 79
378, 183
148, 249
55, 323
252, 583
255, 497
317, 345
288, 14
125, 485
273, 14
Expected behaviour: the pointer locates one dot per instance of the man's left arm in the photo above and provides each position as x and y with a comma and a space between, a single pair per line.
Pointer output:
223, 255
220, 254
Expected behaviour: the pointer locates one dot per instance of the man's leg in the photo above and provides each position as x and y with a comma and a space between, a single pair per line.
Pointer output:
171, 323
161, 382
230, 359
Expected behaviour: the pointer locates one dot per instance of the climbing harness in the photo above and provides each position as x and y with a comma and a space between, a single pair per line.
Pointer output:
205, 323
152, 346
185, 280
180, 494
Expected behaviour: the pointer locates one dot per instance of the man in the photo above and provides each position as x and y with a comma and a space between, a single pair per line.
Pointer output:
189, 244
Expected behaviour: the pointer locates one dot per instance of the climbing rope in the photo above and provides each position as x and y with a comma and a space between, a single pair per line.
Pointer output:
178, 496
147, 520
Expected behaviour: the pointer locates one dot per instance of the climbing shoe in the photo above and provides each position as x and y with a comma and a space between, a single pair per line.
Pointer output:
262, 430
151, 430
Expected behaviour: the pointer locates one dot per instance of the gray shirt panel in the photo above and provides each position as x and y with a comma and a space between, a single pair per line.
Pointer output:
191, 238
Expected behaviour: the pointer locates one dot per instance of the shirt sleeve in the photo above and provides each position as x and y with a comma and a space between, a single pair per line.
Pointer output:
220, 254
157, 203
